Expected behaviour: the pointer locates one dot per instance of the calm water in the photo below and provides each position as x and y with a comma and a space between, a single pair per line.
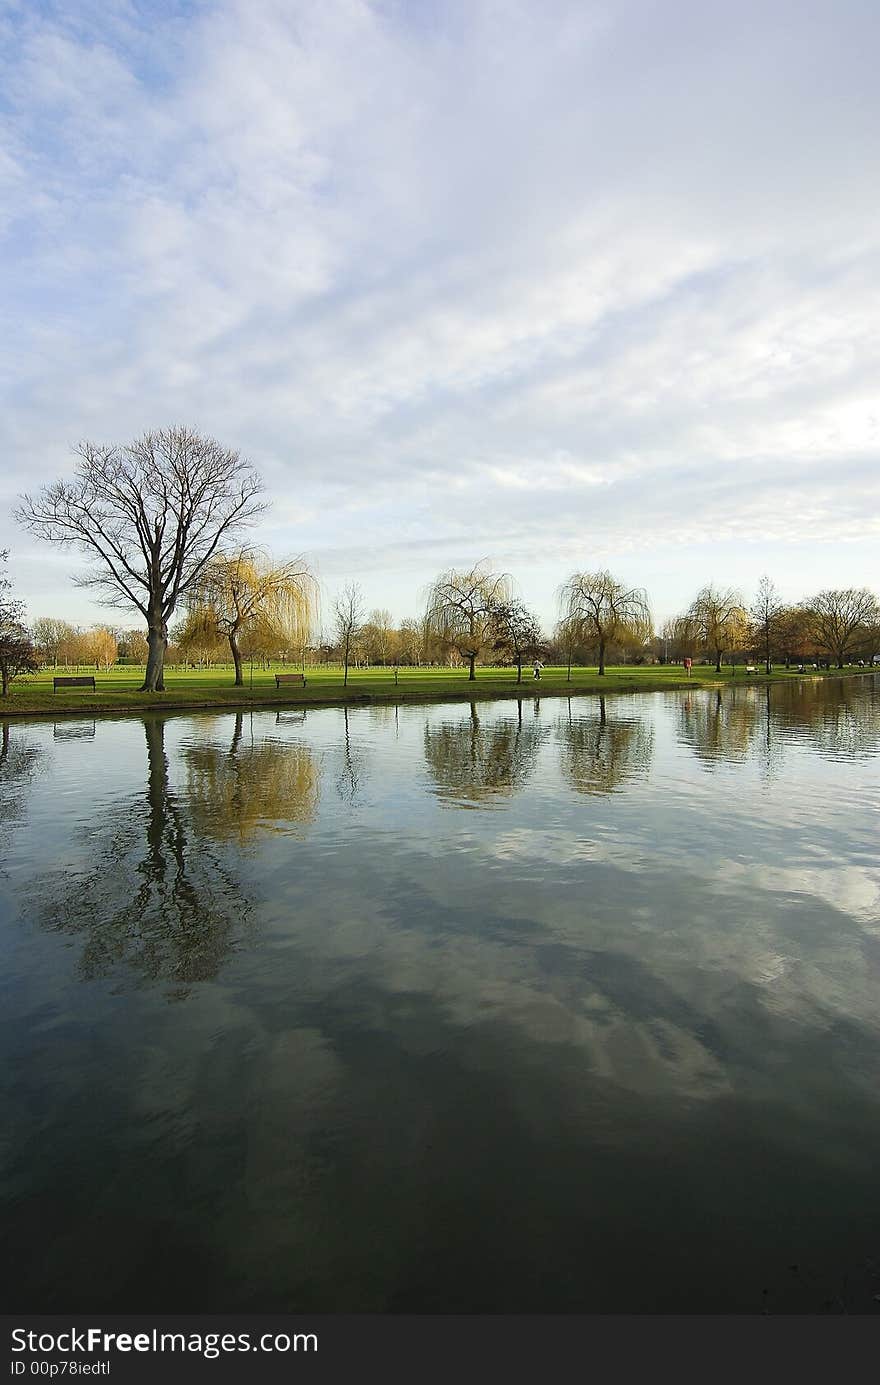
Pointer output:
538, 1006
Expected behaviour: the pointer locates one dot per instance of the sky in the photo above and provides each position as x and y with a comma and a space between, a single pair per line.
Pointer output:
561, 286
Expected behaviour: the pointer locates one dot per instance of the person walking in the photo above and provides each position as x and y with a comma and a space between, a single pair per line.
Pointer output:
538, 667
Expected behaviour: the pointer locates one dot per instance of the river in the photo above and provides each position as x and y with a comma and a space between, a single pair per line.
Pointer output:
553, 1005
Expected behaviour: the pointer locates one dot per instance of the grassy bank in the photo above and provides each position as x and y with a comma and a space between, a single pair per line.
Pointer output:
117, 690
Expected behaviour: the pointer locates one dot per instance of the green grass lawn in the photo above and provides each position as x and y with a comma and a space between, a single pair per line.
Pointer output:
117, 689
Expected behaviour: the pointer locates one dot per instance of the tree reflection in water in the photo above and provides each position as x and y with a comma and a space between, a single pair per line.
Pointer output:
271, 785
157, 901
600, 753
718, 726
350, 776
470, 763
838, 718
18, 760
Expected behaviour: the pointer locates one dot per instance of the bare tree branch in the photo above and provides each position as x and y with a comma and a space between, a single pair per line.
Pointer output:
150, 515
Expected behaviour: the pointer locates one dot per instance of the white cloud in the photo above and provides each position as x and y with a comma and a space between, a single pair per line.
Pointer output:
573, 280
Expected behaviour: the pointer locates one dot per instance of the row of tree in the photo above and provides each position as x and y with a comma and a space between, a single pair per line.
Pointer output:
245, 607
473, 615
836, 625
61, 644
238, 622
161, 520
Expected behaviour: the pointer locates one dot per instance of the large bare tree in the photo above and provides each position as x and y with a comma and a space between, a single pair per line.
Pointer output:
460, 609
602, 610
150, 514
839, 617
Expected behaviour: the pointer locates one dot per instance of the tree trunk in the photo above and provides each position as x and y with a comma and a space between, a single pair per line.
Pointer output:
717, 660
601, 658
157, 797
157, 643
236, 659
5, 682
236, 734
472, 677
519, 669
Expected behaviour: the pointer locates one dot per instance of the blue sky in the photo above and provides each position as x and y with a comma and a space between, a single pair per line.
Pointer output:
562, 285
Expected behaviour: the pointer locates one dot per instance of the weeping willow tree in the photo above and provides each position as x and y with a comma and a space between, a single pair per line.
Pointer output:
461, 607
245, 598
602, 611
720, 621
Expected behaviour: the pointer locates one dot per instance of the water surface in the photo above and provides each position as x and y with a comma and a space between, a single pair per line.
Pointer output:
552, 1005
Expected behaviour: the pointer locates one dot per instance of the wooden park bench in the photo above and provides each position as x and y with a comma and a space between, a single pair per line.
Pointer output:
88, 682
297, 679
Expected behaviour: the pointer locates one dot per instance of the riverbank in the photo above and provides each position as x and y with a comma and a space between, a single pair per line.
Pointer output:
117, 691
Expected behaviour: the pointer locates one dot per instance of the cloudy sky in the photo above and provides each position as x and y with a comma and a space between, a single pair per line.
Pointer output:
562, 285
